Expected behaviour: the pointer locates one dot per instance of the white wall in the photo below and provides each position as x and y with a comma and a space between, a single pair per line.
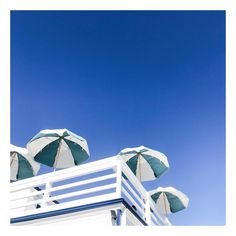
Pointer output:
95, 217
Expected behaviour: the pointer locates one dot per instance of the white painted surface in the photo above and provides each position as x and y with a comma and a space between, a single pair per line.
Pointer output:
26, 202
95, 217
81, 192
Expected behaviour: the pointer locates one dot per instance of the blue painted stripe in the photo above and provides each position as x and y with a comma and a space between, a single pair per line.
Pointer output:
118, 219
77, 209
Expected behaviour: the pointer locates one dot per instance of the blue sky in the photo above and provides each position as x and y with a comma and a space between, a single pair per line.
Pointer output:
124, 79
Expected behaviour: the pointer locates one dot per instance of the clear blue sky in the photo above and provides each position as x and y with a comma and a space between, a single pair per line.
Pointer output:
124, 79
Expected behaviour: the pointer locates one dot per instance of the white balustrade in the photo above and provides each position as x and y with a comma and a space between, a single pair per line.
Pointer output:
88, 183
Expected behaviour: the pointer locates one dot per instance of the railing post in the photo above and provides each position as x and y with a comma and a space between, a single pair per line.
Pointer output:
46, 194
147, 209
118, 177
123, 217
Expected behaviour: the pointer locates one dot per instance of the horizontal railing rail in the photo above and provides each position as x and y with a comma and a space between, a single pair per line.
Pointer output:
63, 187
126, 184
64, 174
142, 200
85, 182
105, 179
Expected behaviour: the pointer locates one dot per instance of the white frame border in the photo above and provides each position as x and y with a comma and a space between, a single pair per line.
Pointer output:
228, 5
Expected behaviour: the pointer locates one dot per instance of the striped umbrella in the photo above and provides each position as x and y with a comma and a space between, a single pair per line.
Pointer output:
169, 200
145, 163
58, 148
21, 164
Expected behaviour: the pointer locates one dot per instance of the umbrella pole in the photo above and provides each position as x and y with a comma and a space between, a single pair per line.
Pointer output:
165, 203
13, 158
139, 163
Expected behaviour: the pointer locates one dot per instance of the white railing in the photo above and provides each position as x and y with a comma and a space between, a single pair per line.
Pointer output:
139, 198
93, 182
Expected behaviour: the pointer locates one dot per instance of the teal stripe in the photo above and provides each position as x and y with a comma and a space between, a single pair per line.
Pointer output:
65, 134
53, 134
25, 169
48, 154
132, 163
75, 135
143, 150
135, 152
42, 135
155, 196
78, 153
157, 166
128, 153
175, 202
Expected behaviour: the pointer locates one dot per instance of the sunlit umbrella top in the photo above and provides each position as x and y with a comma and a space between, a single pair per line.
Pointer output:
58, 148
22, 165
146, 164
169, 199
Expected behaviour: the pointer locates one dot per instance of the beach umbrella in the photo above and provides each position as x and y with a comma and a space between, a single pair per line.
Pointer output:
22, 166
169, 200
145, 163
58, 148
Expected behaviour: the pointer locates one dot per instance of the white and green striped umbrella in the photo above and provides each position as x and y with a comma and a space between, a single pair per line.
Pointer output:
22, 165
145, 163
169, 200
58, 148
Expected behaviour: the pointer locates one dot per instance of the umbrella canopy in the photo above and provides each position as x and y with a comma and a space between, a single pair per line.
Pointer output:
58, 148
169, 200
145, 163
21, 164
